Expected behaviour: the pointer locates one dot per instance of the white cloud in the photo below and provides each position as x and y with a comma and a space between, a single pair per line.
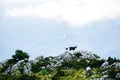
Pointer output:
19, 1
74, 12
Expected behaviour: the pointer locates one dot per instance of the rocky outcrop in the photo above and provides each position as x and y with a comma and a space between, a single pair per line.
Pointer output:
105, 65
67, 61
27, 68
117, 64
118, 76
66, 56
21, 66
87, 54
105, 77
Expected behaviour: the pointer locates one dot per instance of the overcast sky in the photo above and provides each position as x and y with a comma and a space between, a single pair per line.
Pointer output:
47, 27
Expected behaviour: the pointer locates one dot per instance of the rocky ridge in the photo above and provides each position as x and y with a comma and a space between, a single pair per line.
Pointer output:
51, 63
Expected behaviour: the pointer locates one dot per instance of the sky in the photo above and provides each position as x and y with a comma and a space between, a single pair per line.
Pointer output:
47, 27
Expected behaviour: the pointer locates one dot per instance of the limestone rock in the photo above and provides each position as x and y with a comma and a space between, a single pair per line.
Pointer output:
105, 77
105, 65
27, 68
117, 64
20, 67
118, 76
88, 69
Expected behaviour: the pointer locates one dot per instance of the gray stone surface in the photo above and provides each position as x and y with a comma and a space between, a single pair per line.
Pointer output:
105, 65
118, 76
117, 65
26, 66
105, 77
88, 69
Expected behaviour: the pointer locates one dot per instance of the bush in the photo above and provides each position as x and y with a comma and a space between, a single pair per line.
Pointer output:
96, 63
27, 77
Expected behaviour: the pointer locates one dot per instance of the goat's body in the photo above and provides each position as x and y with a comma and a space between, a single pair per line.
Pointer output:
71, 48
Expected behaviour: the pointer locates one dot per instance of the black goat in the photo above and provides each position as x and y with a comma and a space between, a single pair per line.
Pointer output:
71, 48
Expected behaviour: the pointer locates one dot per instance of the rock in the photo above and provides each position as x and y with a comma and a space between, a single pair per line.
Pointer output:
104, 72
87, 54
88, 69
33, 61
105, 65
117, 65
87, 61
27, 68
7, 71
39, 58
15, 67
20, 65
118, 76
59, 59
105, 77
96, 79
66, 56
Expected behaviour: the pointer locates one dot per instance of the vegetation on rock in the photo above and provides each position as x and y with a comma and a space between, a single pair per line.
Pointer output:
67, 66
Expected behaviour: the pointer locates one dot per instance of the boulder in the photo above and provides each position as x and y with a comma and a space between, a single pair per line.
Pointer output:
88, 69
105, 65
27, 68
87, 54
66, 56
105, 77
15, 67
118, 76
105, 72
20, 65
117, 65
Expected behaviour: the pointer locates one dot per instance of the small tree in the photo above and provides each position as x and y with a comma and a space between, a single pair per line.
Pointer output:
20, 55
96, 56
78, 55
110, 60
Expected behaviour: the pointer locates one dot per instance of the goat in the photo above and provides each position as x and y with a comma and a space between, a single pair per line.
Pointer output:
71, 48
